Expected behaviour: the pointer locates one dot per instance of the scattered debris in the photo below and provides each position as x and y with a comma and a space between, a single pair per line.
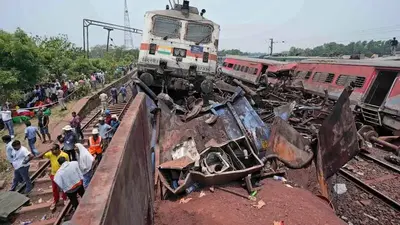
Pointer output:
371, 217
393, 159
340, 188
184, 200
202, 194
260, 204
212, 189
279, 223
40, 200
279, 178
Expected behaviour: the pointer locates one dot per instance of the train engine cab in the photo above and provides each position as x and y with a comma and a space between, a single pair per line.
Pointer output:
179, 48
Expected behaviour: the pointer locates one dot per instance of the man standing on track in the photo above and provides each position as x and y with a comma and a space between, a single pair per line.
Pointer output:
114, 95
95, 144
7, 120
9, 149
103, 98
61, 99
70, 179
393, 43
20, 161
53, 155
122, 90
69, 140
85, 160
43, 123
76, 124
104, 130
30, 134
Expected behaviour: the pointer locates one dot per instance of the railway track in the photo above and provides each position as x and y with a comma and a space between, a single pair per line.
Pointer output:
372, 195
38, 211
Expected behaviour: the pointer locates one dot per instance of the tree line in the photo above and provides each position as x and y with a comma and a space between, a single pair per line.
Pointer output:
332, 49
28, 60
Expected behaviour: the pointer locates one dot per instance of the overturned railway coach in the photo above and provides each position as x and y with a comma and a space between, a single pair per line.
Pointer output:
252, 70
377, 86
179, 48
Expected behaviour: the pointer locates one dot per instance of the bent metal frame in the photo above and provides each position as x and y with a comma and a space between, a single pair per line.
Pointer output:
108, 26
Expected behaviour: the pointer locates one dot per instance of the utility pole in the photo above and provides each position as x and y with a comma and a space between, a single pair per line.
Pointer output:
108, 36
271, 45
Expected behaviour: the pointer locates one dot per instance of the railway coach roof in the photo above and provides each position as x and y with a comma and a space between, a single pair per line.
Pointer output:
179, 15
264, 61
362, 62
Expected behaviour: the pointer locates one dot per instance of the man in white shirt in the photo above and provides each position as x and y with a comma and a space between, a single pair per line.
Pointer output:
61, 99
70, 179
9, 149
20, 161
103, 98
7, 120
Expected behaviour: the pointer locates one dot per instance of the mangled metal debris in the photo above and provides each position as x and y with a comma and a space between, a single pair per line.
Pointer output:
242, 133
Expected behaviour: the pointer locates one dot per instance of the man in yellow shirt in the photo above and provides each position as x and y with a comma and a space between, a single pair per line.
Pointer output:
53, 154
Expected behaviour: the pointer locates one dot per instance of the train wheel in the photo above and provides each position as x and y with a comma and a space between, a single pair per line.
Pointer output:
147, 78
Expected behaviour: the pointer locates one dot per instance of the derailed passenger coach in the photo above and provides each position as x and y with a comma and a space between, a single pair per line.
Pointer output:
179, 48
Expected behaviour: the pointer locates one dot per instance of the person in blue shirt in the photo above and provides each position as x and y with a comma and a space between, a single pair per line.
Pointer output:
122, 90
114, 124
70, 139
30, 134
104, 131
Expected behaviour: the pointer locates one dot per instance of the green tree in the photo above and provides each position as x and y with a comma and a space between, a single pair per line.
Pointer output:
334, 49
27, 60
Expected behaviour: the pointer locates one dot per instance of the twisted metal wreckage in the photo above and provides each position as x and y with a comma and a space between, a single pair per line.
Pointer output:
229, 140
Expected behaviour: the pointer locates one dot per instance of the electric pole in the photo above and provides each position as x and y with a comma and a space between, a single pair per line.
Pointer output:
271, 45
108, 36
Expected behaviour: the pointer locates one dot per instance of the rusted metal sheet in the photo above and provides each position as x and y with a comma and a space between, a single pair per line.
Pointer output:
288, 144
337, 137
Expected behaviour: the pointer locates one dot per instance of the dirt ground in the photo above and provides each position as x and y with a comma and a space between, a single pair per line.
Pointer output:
6, 171
293, 206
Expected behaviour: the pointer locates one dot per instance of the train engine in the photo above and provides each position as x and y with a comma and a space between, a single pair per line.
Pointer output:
179, 48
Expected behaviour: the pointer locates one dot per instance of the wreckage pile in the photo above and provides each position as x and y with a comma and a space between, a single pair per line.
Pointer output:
242, 134
205, 142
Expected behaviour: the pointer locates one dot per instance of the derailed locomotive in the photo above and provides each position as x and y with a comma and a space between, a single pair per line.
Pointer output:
179, 48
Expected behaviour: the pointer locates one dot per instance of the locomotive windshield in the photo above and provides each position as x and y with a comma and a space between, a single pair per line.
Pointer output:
199, 33
166, 27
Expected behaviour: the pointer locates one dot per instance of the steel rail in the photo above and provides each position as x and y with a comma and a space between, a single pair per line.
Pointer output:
389, 201
380, 162
68, 207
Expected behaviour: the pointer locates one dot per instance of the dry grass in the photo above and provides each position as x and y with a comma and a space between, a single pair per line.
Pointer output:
6, 171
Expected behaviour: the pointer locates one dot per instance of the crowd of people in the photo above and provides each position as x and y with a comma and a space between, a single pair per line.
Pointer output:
72, 161
45, 95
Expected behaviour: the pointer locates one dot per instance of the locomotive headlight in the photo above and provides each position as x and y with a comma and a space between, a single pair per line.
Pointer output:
178, 52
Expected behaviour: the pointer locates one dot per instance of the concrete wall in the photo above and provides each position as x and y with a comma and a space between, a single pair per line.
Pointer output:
121, 191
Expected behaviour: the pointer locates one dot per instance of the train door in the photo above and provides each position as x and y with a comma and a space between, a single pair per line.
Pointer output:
380, 87
264, 69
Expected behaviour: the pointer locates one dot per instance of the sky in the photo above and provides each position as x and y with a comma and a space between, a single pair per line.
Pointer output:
245, 25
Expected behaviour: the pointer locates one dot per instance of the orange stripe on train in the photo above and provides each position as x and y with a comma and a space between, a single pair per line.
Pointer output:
213, 57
